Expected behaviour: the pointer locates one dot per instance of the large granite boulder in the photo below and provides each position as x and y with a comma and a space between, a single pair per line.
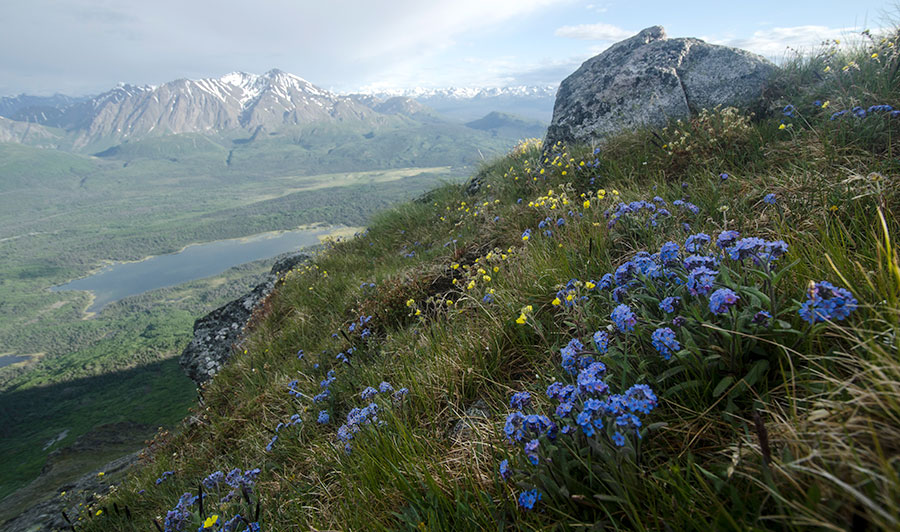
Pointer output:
218, 331
648, 79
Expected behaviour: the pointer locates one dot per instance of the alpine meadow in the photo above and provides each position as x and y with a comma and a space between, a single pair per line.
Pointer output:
675, 306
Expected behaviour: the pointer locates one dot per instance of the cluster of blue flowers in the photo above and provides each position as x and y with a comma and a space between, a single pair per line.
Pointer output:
655, 209
548, 222
860, 112
360, 325
295, 420
584, 407
178, 517
824, 301
358, 418
235, 482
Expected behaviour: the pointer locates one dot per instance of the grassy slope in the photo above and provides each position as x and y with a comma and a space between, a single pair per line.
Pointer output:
781, 427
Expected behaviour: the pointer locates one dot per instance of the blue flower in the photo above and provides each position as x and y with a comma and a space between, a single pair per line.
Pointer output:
399, 395
640, 399
762, 318
385, 387
618, 439
520, 400
504, 470
668, 253
528, 498
695, 243
590, 379
531, 451
827, 302
368, 393
601, 341
323, 417
271, 443
585, 420
564, 409
721, 300
700, 280
663, 340
723, 177
769, 198
624, 318
668, 304
727, 238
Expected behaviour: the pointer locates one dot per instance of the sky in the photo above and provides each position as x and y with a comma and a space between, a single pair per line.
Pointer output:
80, 47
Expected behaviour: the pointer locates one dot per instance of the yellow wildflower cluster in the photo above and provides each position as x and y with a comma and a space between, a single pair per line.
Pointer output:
482, 269
523, 314
526, 145
413, 307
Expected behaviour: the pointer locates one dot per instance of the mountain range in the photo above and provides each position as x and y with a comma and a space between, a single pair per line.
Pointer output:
235, 102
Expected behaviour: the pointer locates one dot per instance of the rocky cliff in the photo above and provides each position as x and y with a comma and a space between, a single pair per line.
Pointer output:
217, 332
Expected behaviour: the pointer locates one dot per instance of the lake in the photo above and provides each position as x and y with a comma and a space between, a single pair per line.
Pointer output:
196, 261
8, 360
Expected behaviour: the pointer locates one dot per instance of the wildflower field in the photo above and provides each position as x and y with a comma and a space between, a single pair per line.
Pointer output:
692, 328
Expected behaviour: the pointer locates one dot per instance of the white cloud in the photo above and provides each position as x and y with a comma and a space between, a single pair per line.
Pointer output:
594, 32
778, 43
52, 45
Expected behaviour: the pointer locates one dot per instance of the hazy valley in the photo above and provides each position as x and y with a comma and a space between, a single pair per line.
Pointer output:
144, 171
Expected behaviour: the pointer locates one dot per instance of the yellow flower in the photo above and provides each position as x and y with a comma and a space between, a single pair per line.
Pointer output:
589, 285
99, 512
525, 237
826, 104
615, 192
556, 302
827, 69
563, 172
471, 285
874, 55
833, 208
496, 269
410, 302
521, 319
418, 312
100, 474
528, 308
542, 171
487, 278
210, 521
449, 302
587, 204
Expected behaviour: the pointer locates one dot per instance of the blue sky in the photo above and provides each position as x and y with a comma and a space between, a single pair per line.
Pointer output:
87, 46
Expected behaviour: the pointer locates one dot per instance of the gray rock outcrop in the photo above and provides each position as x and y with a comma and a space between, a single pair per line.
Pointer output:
218, 331
647, 80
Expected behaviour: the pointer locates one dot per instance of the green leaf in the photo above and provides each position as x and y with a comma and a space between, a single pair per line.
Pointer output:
723, 385
756, 371
766, 302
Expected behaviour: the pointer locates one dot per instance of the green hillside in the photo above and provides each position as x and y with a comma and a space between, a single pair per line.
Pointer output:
680, 376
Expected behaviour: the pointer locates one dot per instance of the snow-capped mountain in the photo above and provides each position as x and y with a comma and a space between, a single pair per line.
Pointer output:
468, 103
241, 100
235, 100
